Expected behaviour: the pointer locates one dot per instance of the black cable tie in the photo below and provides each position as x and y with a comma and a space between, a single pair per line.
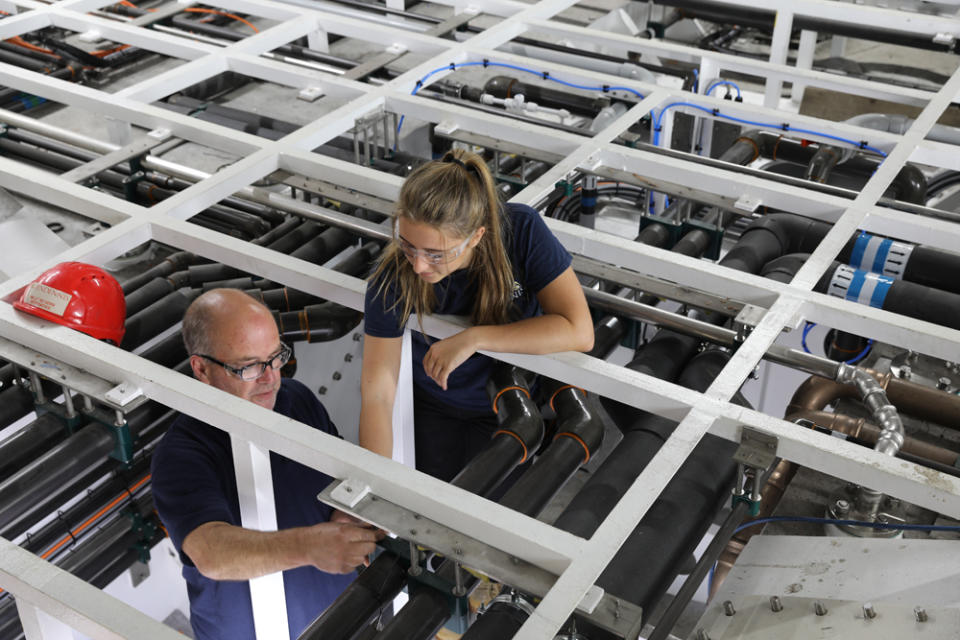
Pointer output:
418, 85
486, 63
546, 75
863, 144
658, 129
606, 88
66, 526
453, 66
716, 111
785, 126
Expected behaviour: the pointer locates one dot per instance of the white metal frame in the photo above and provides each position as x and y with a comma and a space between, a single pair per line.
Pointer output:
578, 562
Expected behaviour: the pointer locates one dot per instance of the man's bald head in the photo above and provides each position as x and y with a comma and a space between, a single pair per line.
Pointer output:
208, 316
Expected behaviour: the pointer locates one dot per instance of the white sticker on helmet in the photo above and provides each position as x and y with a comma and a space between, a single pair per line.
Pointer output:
47, 298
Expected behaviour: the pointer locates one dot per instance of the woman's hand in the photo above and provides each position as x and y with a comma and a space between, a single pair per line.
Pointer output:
446, 355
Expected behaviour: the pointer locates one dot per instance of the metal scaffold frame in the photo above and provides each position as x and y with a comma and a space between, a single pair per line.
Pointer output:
577, 562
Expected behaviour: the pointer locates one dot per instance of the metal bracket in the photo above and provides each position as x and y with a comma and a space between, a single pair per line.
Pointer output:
64, 374
747, 318
623, 619
675, 228
757, 449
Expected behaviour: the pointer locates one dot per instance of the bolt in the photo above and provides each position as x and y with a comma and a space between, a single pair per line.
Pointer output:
348, 357
415, 568
943, 382
348, 489
905, 372
775, 605
357, 337
841, 506
819, 609
920, 613
869, 613
336, 375
912, 357
322, 390
728, 608
458, 590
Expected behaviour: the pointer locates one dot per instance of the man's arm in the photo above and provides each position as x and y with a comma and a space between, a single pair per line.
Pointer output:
223, 551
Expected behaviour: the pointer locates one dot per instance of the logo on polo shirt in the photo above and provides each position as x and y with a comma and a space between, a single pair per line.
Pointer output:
517, 290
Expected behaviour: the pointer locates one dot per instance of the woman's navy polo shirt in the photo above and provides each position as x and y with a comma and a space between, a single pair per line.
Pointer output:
537, 258
194, 482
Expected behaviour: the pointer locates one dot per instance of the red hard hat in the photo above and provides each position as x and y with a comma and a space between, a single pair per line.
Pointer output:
80, 296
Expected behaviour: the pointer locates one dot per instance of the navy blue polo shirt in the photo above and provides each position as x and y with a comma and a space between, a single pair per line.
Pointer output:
537, 258
194, 483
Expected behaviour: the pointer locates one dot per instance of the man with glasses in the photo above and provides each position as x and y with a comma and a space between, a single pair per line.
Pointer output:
234, 346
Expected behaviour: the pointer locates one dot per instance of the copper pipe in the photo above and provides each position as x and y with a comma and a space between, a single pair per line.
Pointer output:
867, 431
809, 400
910, 398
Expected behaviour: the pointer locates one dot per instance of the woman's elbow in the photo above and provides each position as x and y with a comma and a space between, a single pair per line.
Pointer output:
584, 339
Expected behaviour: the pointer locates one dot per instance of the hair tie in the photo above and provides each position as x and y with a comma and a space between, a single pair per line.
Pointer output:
457, 161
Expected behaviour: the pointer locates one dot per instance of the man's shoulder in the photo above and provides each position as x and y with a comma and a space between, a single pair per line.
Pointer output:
298, 402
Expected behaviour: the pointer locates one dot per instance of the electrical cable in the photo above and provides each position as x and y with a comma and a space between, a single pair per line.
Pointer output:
783, 126
720, 83
544, 75
855, 523
855, 359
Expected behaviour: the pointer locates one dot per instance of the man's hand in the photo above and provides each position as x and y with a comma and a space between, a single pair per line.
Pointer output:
339, 547
448, 354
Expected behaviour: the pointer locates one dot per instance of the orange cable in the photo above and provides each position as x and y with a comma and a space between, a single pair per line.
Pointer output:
20, 42
222, 13
46, 554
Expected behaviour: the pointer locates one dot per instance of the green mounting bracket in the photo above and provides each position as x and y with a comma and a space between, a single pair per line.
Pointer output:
715, 233
675, 228
147, 529
753, 504
122, 438
71, 424
566, 185
131, 181
459, 606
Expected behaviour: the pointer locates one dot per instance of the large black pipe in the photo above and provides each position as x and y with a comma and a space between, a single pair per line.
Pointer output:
374, 588
158, 316
15, 402
63, 471
27, 443
173, 262
500, 621
644, 433
520, 433
420, 618
579, 435
647, 563
318, 323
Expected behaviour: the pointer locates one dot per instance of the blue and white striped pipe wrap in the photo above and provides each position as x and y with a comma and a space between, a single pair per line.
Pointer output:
860, 286
880, 255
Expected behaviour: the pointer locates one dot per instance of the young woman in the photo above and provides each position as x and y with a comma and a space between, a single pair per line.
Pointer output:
457, 250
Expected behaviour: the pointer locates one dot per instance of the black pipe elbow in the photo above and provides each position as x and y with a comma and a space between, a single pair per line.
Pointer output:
317, 323
516, 412
911, 185
575, 419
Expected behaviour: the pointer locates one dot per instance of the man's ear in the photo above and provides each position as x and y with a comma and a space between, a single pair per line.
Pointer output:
201, 369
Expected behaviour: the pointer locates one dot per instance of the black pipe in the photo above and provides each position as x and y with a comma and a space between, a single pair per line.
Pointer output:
664, 357
280, 230
318, 323
159, 316
520, 434
764, 19
284, 299
607, 334
27, 443
419, 619
374, 588
142, 297
934, 268
15, 402
500, 621
173, 262
300, 235
168, 352
63, 471
681, 515
579, 435
326, 245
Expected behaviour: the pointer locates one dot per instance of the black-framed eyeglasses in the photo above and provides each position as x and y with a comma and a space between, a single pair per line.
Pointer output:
254, 370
